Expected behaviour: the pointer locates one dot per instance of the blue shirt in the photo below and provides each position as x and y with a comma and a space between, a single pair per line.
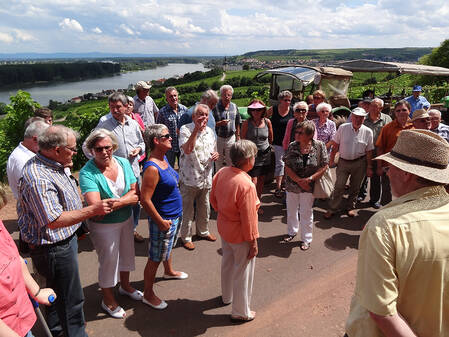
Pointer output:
45, 192
417, 103
186, 118
232, 113
166, 197
92, 180
443, 131
170, 119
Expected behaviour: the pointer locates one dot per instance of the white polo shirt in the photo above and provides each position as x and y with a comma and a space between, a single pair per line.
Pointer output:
353, 143
16, 161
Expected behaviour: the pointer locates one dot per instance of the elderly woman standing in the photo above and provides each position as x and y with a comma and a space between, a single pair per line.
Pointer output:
108, 176
161, 199
300, 115
258, 129
305, 162
234, 197
280, 115
326, 128
318, 97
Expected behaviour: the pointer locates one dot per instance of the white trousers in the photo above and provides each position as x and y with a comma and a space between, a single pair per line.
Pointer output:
301, 203
114, 244
237, 274
223, 148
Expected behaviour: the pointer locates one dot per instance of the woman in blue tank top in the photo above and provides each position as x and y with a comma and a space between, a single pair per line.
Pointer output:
161, 199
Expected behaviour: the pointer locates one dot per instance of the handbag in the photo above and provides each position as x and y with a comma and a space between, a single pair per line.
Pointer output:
324, 186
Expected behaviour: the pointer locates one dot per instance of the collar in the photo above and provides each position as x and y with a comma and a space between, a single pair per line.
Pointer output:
49, 162
437, 191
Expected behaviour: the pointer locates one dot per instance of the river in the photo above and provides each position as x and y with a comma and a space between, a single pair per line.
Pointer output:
62, 92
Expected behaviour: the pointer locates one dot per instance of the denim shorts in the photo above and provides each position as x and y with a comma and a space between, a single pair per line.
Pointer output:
161, 243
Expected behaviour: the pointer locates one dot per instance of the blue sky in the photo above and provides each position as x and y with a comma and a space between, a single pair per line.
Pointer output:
215, 27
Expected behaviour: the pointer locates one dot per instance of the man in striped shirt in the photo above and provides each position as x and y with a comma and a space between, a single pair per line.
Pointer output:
50, 211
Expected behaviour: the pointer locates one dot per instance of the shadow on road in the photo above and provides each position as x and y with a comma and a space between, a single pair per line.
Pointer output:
341, 241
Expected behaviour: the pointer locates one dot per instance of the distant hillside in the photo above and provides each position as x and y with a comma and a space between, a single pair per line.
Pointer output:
329, 55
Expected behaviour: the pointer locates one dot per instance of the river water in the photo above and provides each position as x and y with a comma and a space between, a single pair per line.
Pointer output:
62, 92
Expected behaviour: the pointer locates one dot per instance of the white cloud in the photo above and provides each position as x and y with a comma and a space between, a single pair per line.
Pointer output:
71, 24
155, 27
24, 36
126, 29
184, 25
97, 30
6, 38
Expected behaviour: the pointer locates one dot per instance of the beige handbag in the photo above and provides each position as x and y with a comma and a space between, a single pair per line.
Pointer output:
324, 186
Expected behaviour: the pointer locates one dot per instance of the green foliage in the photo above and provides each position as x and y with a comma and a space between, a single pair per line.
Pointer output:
438, 57
12, 126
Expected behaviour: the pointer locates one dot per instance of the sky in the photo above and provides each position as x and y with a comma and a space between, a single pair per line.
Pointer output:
214, 27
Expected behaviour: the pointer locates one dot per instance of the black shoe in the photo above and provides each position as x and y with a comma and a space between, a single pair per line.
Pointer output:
360, 198
375, 205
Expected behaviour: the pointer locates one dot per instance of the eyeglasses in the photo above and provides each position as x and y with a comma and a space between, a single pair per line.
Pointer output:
167, 136
100, 149
73, 149
401, 110
300, 111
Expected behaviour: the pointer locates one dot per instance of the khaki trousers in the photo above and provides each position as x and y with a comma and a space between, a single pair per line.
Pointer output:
194, 197
355, 170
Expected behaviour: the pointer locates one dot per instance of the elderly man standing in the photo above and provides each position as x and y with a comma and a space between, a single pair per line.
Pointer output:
169, 115
227, 125
144, 104
49, 213
198, 152
436, 125
354, 141
210, 98
130, 142
376, 120
388, 136
416, 100
22, 153
402, 274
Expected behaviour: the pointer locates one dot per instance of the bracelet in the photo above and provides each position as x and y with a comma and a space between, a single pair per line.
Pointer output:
37, 293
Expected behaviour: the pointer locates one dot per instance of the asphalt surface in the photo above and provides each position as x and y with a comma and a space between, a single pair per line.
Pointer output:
295, 293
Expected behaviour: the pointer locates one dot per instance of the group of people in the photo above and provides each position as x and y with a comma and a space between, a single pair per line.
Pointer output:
164, 161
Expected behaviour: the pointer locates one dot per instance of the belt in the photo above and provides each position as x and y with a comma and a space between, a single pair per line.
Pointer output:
59, 243
353, 159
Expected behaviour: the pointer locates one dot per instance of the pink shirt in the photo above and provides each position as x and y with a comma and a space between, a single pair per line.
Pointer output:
288, 132
234, 197
139, 120
16, 310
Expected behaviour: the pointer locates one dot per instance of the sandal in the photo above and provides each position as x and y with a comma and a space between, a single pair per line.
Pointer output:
278, 193
304, 245
288, 238
242, 319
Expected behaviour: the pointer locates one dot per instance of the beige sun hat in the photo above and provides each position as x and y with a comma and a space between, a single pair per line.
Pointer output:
142, 85
420, 113
422, 153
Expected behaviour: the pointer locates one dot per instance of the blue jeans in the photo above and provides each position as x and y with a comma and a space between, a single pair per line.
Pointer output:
58, 263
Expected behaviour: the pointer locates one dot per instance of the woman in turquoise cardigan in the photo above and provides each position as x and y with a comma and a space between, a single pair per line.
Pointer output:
107, 176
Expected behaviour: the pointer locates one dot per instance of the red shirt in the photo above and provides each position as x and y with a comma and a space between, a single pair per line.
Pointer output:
16, 310
234, 197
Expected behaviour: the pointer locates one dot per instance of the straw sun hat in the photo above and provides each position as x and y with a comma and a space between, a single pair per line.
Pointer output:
422, 153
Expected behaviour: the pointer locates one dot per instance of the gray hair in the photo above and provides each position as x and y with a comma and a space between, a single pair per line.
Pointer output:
226, 87
169, 90
35, 129
284, 93
151, 132
118, 97
200, 105
99, 134
378, 100
55, 136
302, 104
208, 95
130, 99
434, 112
32, 120
322, 106
241, 150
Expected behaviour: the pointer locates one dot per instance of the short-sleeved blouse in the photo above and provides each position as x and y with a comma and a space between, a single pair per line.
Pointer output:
304, 166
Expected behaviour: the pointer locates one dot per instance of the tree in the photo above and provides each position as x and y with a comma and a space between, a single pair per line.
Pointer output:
12, 128
438, 57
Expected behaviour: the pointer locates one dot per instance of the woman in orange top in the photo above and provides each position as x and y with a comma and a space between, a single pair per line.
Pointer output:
234, 197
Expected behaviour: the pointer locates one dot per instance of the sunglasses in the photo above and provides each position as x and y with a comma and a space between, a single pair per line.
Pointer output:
300, 110
100, 149
167, 136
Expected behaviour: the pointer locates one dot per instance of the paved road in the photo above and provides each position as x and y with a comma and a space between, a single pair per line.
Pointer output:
296, 293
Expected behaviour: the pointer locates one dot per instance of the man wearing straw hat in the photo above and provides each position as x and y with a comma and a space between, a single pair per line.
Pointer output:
403, 265
421, 119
